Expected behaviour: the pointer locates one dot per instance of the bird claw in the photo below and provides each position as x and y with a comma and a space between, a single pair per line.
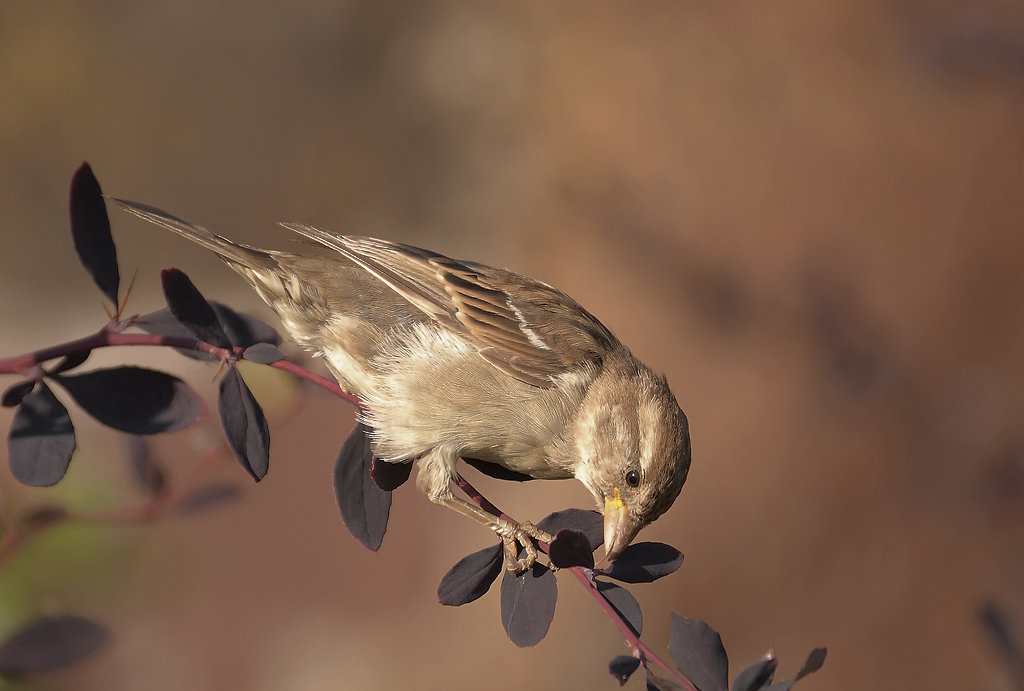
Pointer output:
515, 534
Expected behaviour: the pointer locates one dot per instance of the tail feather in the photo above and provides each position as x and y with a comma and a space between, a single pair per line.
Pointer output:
232, 252
275, 275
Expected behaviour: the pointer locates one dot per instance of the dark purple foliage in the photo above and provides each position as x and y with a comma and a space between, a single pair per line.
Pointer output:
245, 426
624, 603
16, 393
134, 399
622, 667
191, 309
263, 353
571, 548
364, 506
389, 476
757, 676
471, 577
243, 331
496, 471
50, 643
590, 523
812, 664
699, 654
528, 604
644, 562
90, 231
69, 362
41, 439
163, 323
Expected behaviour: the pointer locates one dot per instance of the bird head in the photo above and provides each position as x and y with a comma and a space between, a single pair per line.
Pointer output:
633, 447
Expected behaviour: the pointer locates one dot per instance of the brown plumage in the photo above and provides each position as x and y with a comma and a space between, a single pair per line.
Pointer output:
458, 359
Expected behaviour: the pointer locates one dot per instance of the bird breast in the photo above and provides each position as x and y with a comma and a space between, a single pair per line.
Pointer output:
427, 387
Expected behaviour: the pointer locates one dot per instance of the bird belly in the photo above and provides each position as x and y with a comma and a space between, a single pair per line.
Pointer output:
352, 374
429, 389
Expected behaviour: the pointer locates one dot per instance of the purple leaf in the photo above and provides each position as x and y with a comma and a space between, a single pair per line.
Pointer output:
496, 471
622, 668
50, 643
69, 362
160, 323
163, 323
263, 353
243, 331
389, 476
699, 654
134, 399
757, 676
245, 426
571, 548
145, 470
624, 603
41, 440
590, 523
471, 577
191, 309
364, 506
811, 665
644, 562
90, 230
16, 393
528, 604
206, 497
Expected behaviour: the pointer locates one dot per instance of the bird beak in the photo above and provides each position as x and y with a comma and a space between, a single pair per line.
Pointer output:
619, 527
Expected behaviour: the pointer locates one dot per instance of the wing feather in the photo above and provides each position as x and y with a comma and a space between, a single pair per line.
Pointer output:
523, 327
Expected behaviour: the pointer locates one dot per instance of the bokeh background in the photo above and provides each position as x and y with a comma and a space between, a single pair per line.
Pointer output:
807, 214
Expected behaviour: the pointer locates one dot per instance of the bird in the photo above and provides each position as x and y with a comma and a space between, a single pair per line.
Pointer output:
456, 359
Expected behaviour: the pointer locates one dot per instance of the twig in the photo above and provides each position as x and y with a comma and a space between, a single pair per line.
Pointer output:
583, 575
110, 336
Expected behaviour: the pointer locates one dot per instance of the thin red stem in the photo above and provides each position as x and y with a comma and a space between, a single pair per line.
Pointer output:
110, 336
322, 382
105, 338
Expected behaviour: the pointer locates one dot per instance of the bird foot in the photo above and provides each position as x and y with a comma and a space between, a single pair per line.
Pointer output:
515, 534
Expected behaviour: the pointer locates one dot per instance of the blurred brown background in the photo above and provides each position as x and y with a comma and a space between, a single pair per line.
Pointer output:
808, 215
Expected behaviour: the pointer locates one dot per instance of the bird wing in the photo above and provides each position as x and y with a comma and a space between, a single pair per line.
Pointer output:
523, 327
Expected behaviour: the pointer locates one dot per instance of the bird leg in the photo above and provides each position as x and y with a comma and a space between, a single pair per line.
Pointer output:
512, 534
435, 478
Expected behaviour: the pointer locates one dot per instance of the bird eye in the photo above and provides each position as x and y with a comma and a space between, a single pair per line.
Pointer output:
633, 478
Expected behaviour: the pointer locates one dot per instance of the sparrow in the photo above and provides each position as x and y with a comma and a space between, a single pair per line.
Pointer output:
454, 359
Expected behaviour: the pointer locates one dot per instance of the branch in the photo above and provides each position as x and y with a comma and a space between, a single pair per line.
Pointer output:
111, 335
583, 575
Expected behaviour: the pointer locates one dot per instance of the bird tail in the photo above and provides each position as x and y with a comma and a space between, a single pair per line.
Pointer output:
241, 258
